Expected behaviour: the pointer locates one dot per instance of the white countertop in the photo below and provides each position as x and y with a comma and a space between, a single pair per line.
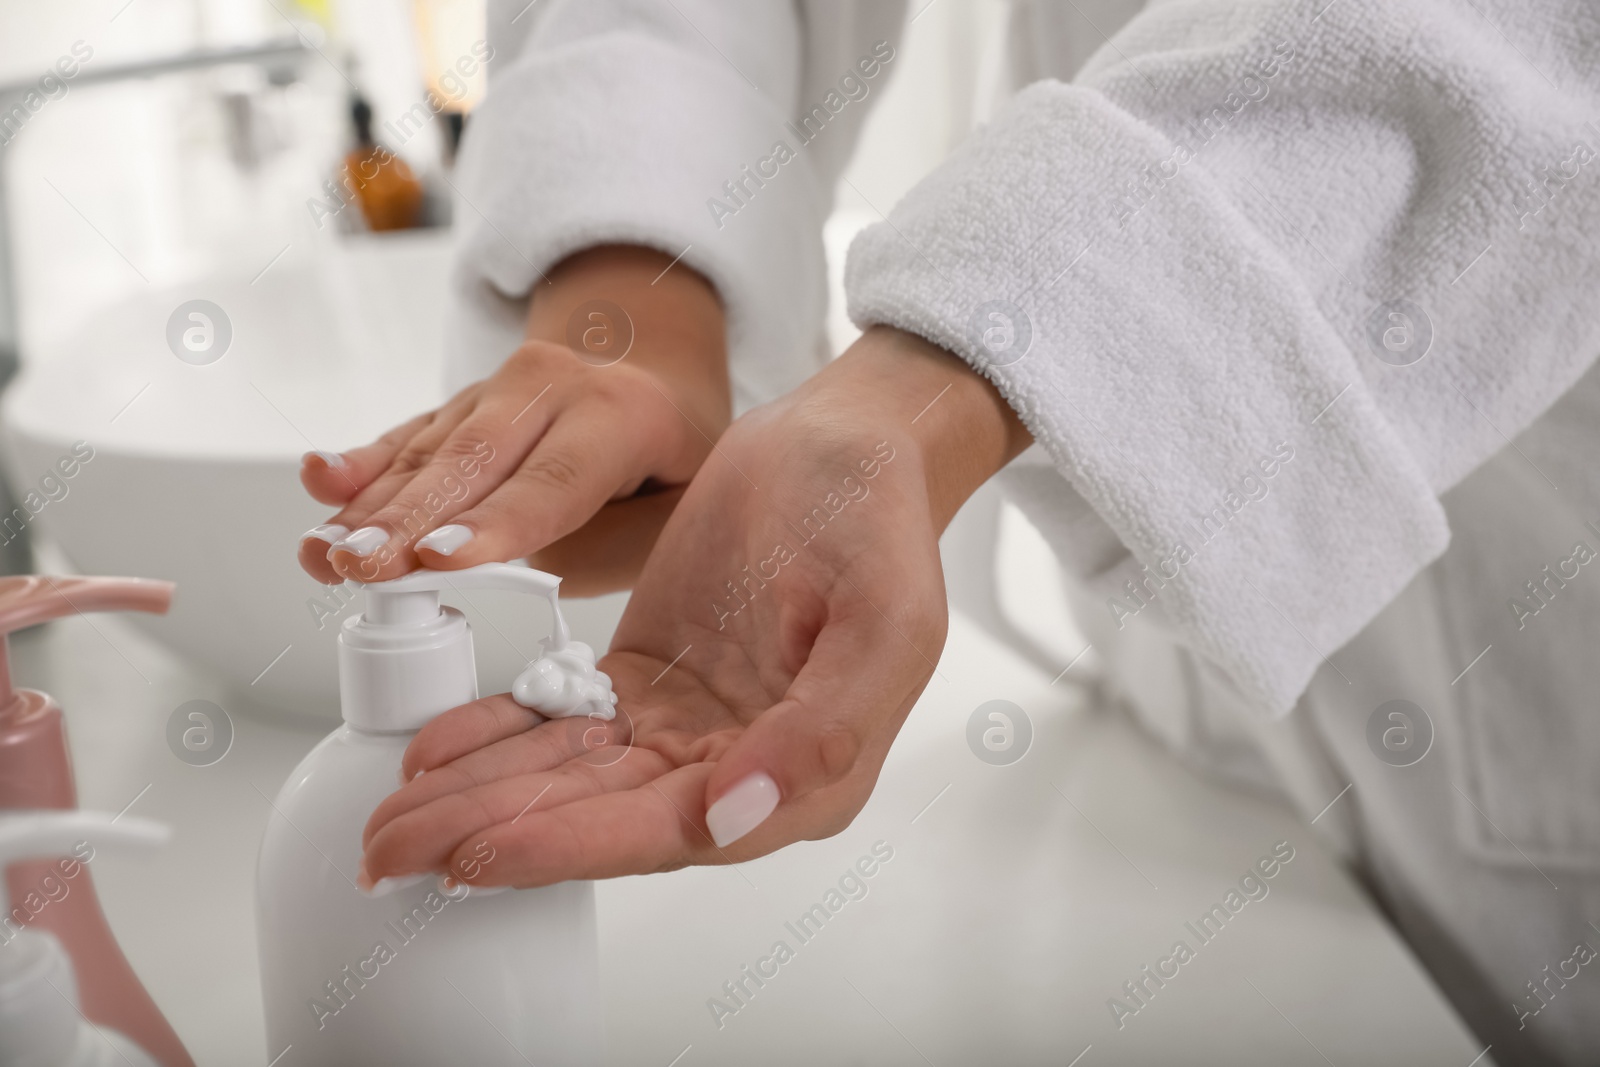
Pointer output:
1018, 899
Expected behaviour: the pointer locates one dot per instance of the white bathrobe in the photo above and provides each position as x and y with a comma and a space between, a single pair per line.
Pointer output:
1298, 300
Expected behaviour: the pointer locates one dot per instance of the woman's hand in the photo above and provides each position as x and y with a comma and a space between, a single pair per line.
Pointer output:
788, 619
593, 409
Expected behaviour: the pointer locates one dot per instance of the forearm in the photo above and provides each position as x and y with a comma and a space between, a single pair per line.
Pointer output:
678, 121
962, 427
1212, 327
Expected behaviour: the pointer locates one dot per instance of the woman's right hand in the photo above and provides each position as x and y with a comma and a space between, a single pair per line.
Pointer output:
573, 454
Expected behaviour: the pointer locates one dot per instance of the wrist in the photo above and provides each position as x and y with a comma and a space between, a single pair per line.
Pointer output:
956, 421
671, 322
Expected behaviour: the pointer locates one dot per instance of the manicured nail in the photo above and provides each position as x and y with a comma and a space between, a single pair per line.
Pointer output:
329, 532
385, 886
446, 539
332, 459
742, 808
364, 542
448, 884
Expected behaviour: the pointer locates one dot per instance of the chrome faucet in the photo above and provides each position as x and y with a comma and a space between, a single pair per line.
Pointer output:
280, 58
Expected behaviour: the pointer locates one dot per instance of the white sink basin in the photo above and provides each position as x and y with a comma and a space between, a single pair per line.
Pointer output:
194, 475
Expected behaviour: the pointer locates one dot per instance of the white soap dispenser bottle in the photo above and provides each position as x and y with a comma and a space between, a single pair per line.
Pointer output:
41, 1021
433, 973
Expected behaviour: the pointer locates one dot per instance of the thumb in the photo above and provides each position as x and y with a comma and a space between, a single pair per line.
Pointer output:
857, 686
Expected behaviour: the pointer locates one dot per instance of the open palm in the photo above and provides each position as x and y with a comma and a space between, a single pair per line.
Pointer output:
784, 626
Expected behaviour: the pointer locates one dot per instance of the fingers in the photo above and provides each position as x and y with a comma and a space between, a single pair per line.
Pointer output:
652, 827
500, 754
420, 495
577, 466
466, 729
334, 477
384, 528
313, 552
842, 711
452, 463
506, 482
360, 479
485, 741
404, 462
425, 837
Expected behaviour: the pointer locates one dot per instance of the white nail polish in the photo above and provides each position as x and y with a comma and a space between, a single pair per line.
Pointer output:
446, 539
384, 886
450, 886
364, 542
742, 808
329, 532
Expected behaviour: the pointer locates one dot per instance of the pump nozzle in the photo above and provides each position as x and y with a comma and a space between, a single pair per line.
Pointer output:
404, 660
41, 834
28, 600
415, 597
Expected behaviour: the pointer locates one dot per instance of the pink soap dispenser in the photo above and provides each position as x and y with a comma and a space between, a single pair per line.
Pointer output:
36, 773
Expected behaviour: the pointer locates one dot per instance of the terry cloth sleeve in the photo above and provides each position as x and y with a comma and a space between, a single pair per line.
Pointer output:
660, 124
1264, 282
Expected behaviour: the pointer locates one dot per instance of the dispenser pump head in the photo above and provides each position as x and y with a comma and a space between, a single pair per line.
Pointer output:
405, 659
26, 835
414, 598
28, 600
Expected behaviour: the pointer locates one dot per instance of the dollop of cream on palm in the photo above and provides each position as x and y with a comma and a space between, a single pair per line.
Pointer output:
565, 683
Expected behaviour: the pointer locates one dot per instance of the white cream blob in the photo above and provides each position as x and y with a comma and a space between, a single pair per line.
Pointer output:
564, 683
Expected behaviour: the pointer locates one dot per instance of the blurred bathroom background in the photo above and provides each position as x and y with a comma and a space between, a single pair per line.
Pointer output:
194, 153
177, 177
192, 304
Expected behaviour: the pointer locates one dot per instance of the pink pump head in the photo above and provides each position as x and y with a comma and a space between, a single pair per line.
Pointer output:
28, 600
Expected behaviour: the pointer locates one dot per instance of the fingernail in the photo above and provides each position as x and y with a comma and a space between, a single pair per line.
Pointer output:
364, 542
332, 459
742, 808
449, 882
446, 539
329, 532
385, 886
